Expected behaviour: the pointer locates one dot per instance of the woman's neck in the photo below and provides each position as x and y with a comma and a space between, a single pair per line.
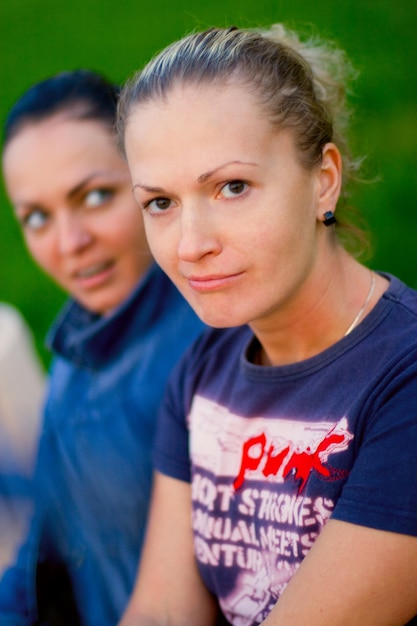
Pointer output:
325, 307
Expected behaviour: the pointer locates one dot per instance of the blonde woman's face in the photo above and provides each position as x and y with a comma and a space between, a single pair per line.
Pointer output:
72, 195
230, 214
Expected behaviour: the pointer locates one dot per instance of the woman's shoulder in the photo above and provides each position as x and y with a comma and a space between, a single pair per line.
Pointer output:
215, 351
215, 341
400, 293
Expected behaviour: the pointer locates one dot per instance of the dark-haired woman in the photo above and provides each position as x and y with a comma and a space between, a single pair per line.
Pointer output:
115, 342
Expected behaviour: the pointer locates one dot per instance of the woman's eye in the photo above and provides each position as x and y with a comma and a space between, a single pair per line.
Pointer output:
97, 197
158, 205
35, 220
233, 189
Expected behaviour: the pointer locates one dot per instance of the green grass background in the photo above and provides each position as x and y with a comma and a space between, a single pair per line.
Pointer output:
41, 37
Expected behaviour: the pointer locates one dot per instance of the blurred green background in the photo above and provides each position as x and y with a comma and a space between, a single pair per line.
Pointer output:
41, 37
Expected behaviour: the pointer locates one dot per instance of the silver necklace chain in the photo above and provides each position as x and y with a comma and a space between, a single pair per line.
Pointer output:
365, 304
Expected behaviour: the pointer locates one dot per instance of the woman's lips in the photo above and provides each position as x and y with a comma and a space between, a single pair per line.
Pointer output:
212, 282
94, 275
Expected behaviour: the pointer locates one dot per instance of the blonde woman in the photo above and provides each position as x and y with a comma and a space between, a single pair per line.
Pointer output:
286, 476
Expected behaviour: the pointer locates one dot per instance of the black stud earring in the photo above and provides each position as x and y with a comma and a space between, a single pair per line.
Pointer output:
329, 218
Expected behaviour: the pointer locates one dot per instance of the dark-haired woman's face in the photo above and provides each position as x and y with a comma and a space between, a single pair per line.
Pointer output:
72, 195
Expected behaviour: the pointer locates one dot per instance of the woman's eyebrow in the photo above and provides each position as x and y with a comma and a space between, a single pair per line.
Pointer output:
204, 177
23, 205
201, 179
83, 183
148, 188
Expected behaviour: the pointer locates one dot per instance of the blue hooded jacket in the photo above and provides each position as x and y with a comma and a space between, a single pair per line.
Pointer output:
93, 475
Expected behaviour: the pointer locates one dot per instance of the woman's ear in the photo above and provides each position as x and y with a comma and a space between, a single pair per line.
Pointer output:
330, 180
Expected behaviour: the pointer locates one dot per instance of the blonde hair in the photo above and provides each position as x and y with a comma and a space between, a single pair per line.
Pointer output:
300, 85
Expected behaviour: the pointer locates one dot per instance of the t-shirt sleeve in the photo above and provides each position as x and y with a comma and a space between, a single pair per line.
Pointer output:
171, 449
194, 371
381, 491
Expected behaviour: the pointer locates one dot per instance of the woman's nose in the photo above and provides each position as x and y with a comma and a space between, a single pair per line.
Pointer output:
198, 236
72, 234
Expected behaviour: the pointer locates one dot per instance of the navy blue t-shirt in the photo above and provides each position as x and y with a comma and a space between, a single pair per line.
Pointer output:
273, 452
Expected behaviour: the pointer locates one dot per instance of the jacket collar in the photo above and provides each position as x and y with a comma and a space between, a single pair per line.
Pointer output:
91, 340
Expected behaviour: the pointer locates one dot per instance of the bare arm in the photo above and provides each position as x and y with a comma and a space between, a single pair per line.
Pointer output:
352, 575
169, 589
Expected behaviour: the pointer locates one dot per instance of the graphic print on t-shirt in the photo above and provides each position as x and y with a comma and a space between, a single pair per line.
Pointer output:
254, 518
